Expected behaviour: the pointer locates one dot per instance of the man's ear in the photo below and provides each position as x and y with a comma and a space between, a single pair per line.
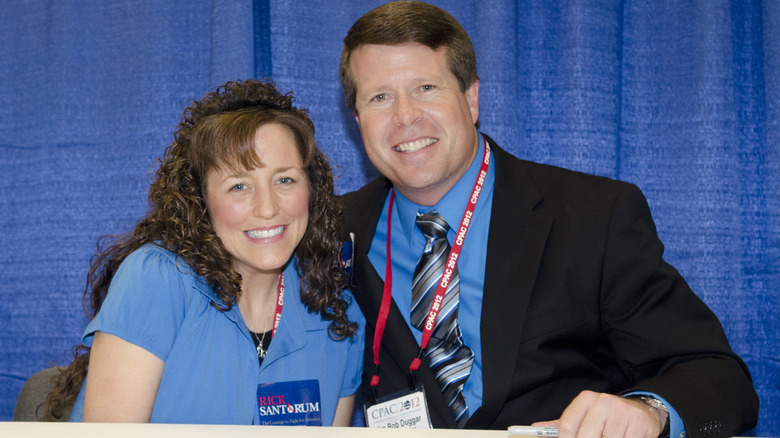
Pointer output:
472, 97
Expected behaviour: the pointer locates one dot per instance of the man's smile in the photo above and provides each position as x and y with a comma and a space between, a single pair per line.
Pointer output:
416, 145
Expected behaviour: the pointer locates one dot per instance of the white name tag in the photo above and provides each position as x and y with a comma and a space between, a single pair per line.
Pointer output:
409, 411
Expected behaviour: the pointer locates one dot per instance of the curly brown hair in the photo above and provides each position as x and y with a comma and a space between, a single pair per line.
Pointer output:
218, 130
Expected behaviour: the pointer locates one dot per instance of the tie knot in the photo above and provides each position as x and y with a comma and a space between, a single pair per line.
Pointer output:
432, 225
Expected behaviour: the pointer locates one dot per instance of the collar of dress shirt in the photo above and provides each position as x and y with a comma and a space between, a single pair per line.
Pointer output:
450, 207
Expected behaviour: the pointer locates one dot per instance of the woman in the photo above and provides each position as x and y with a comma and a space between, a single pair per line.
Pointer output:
226, 303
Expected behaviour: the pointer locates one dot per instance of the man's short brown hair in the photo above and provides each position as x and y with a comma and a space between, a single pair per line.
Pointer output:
403, 22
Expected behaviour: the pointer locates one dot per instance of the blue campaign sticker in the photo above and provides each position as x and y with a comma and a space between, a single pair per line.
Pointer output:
294, 403
348, 254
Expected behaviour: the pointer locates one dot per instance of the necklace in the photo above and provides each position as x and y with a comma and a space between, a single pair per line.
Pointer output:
261, 350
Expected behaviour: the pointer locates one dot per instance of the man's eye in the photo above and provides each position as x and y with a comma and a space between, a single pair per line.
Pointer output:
427, 87
380, 97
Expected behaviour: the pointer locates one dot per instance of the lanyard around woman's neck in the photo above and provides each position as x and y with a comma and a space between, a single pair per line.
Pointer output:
279, 304
441, 290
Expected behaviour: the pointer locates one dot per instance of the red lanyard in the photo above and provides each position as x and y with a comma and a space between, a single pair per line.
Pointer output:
441, 290
279, 304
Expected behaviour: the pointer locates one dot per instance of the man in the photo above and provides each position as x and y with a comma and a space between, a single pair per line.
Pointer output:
556, 307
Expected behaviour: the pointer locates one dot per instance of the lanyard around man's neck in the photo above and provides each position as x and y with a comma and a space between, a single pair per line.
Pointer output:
441, 290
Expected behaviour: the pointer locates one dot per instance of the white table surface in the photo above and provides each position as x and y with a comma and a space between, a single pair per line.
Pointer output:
9, 429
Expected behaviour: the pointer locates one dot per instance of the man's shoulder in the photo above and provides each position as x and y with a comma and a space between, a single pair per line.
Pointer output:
554, 175
548, 175
554, 184
544, 173
366, 195
364, 204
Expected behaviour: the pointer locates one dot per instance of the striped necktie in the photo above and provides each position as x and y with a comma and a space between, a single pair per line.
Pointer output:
447, 356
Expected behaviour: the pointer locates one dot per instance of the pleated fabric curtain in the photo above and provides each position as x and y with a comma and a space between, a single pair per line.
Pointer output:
678, 97
90, 93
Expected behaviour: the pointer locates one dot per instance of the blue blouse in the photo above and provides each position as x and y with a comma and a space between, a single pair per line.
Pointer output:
211, 370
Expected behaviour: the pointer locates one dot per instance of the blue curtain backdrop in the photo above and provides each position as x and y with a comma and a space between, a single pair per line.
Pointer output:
678, 97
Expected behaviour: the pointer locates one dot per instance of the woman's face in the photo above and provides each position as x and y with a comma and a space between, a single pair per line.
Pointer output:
261, 214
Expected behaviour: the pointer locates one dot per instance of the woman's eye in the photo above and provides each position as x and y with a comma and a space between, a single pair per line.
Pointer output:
238, 187
286, 180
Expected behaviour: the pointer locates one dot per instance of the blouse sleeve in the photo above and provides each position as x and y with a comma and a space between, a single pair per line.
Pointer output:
146, 301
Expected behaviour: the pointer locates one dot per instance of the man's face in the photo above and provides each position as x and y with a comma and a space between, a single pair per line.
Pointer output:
417, 126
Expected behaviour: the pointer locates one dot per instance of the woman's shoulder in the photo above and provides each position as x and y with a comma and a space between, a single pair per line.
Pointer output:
152, 264
153, 257
150, 253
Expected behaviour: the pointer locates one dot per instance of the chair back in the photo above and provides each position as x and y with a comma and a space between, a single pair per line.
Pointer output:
31, 404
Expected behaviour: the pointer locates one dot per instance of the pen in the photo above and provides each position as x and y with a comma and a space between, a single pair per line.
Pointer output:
533, 431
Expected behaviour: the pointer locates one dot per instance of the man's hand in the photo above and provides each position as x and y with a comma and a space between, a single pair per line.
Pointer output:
595, 415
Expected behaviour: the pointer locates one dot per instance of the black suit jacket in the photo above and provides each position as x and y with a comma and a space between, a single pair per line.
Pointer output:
576, 296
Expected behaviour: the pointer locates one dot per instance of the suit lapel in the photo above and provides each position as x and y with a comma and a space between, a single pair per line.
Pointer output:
397, 338
515, 245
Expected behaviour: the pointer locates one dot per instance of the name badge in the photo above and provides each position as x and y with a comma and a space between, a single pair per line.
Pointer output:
294, 403
404, 410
